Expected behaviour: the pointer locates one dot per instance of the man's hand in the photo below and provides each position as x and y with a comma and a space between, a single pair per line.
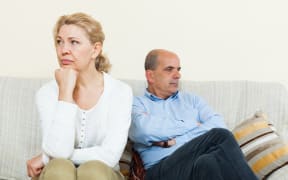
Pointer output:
35, 166
165, 144
66, 79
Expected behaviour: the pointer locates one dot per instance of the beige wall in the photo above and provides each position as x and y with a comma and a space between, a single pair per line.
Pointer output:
216, 39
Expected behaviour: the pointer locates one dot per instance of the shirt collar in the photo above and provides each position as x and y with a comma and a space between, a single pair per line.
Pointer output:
155, 98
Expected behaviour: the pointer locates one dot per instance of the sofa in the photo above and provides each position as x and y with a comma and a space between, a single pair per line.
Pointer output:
20, 134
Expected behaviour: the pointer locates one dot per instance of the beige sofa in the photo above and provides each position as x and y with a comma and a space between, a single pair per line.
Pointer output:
235, 100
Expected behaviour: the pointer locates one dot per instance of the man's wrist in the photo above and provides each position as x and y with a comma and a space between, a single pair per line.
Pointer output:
164, 144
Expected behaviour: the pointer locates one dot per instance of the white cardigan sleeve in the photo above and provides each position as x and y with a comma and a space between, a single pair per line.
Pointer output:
57, 122
119, 117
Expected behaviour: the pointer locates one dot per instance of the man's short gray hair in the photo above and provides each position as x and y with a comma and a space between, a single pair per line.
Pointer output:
151, 60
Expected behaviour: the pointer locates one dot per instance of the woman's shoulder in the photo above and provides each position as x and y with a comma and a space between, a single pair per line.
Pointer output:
116, 84
118, 92
49, 88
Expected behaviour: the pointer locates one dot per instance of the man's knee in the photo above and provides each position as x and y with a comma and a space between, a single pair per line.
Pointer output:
58, 169
222, 132
205, 161
206, 167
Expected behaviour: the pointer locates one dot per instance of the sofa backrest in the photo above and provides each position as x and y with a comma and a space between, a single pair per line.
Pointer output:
238, 100
19, 125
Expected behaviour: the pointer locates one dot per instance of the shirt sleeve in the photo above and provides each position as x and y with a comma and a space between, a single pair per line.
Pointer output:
45, 158
111, 149
207, 116
146, 127
57, 123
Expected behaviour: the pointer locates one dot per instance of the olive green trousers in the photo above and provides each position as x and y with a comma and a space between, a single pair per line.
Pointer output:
63, 169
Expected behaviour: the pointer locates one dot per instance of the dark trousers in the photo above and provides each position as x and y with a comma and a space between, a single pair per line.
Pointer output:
214, 155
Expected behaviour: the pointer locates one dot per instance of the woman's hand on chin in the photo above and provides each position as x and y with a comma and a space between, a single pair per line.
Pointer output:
66, 79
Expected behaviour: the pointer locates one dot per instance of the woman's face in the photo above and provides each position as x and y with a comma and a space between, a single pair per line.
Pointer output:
74, 49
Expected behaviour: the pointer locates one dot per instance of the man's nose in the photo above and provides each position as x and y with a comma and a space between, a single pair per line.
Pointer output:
177, 75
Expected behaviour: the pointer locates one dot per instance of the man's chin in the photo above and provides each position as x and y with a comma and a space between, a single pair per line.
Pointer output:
174, 90
174, 87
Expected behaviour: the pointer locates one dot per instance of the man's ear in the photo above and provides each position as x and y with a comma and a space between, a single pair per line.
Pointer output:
149, 76
97, 49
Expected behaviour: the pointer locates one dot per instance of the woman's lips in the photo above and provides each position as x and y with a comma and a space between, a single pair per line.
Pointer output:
66, 62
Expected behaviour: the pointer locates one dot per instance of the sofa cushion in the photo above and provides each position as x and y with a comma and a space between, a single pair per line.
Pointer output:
125, 160
19, 126
262, 146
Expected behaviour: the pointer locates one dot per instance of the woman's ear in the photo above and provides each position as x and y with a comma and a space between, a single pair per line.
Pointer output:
97, 49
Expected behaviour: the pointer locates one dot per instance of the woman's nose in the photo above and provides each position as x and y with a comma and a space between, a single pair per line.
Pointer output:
65, 48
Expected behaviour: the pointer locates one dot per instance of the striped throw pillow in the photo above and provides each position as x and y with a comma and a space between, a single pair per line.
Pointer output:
262, 146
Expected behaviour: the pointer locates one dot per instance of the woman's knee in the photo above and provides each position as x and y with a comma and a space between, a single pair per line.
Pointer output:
35, 178
59, 169
95, 170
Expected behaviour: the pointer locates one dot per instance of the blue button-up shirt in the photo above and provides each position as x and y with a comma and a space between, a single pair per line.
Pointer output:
155, 119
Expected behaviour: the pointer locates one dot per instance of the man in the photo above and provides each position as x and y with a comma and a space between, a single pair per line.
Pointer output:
177, 135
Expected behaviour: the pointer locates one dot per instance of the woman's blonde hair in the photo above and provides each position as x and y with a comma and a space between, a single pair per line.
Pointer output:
94, 31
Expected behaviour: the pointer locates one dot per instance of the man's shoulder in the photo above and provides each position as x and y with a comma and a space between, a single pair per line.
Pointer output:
141, 98
189, 96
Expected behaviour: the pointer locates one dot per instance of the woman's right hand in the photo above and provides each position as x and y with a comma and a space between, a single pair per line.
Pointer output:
66, 79
35, 166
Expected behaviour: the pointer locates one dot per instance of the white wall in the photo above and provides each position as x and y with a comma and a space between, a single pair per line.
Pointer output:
215, 39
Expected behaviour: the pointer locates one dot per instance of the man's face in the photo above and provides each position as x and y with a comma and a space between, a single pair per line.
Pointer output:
164, 80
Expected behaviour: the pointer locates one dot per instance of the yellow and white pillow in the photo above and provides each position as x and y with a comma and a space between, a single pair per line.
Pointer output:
262, 146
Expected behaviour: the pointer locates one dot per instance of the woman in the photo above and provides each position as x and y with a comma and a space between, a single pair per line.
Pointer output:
85, 114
